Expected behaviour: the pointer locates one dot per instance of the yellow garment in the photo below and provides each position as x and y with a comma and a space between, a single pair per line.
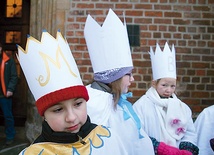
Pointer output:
94, 139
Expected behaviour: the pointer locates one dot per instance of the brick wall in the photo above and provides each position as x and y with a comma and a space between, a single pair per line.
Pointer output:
188, 24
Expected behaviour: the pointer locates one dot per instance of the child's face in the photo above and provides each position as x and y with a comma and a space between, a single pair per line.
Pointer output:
126, 82
67, 116
165, 86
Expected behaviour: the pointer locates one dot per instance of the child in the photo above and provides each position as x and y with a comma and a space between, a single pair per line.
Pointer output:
111, 60
204, 125
54, 80
163, 115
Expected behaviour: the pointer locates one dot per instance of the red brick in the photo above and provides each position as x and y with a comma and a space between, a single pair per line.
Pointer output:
200, 72
172, 14
177, 35
94, 12
200, 65
162, 28
167, 35
210, 43
153, 14
181, 21
104, 5
200, 94
157, 35
85, 5
182, 7
142, 20
134, 13
162, 21
201, 22
141, 63
162, 7
143, 6
124, 6
146, 35
192, 14
201, 8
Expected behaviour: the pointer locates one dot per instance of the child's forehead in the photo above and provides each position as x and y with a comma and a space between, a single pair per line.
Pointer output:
66, 103
168, 80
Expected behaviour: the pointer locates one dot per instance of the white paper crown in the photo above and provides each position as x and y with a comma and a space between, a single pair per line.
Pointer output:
163, 62
108, 45
48, 65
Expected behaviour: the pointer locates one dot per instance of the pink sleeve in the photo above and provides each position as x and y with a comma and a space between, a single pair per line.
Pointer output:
164, 149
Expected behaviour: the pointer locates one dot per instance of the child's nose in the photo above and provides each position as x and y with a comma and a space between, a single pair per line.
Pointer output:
131, 78
70, 116
168, 89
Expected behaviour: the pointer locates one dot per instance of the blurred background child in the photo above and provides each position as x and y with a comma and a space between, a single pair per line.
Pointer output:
204, 125
164, 117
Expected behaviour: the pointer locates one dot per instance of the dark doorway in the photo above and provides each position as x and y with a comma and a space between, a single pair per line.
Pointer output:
14, 27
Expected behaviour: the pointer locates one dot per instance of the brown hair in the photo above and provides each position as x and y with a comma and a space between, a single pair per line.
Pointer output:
116, 90
155, 82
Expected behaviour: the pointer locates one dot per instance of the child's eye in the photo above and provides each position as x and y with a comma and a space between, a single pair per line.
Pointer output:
57, 110
78, 103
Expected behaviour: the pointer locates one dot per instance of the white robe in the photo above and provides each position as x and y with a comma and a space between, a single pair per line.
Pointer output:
160, 123
205, 129
101, 111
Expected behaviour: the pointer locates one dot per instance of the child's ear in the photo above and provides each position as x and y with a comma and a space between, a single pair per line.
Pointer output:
154, 82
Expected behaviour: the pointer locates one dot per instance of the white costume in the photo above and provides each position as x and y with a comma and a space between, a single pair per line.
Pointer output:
159, 118
168, 120
204, 127
111, 59
101, 111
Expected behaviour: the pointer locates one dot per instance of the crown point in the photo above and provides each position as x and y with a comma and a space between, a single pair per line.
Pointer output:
58, 30
151, 50
44, 30
28, 36
157, 48
166, 47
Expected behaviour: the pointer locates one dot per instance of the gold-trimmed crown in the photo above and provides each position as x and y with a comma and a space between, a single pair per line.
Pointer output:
48, 65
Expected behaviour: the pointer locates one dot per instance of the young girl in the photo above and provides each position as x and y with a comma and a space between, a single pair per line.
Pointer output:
163, 115
112, 65
61, 99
